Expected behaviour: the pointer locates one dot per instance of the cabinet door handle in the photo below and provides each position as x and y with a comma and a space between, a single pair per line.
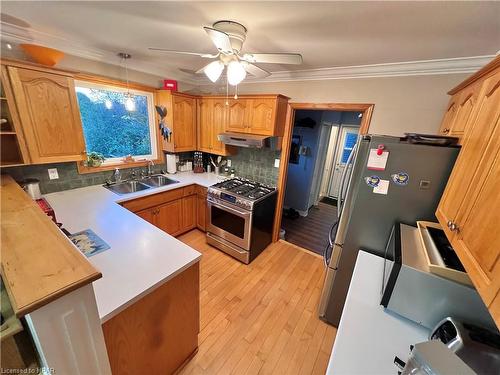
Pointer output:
446, 130
454, 227
448, 224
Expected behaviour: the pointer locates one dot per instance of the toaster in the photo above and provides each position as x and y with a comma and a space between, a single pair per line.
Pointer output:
478, 347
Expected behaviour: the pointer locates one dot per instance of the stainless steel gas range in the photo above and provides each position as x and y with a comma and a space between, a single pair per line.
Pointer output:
240, 217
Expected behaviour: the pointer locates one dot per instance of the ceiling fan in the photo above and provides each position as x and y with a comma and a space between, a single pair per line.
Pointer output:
228, 37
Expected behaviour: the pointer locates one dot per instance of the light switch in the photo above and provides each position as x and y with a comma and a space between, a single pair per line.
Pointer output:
229, 162
276, 163
53, 175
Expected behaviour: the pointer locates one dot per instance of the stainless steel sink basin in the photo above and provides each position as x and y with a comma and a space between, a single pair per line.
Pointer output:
158, 180
127, 187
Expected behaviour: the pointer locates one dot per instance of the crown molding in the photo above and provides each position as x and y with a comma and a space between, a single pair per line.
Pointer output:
19, 34
457, 65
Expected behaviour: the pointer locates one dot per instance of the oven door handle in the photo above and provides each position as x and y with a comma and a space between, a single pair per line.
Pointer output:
227, 208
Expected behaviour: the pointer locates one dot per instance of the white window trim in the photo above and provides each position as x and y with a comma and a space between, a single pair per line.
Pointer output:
151, 116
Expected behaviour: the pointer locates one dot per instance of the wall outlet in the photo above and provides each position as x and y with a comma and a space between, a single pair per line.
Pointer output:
53, 175
276, 163
229, 162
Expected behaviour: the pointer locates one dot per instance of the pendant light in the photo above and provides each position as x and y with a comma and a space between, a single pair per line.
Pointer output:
129, 101
235, 73
214, 70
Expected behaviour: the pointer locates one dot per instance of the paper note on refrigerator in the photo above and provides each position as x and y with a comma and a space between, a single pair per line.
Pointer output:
377, 162
382, 187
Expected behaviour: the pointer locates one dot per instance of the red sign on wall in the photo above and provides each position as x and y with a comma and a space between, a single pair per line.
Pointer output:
170, 84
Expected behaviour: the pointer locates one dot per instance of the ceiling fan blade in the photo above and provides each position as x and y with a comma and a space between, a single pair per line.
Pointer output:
205, 55
220, 39
188, 71
256, 71
199, 71
273, 58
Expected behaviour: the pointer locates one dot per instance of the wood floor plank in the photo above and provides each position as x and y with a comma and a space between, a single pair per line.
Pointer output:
260, 318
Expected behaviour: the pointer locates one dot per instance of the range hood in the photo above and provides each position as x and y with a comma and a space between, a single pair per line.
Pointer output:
250, 140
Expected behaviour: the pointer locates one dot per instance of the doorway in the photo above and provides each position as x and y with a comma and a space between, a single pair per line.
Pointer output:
321, 145
317, 142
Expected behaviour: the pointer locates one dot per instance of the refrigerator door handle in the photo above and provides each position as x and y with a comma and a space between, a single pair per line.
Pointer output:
326, 256
340, 198
330, 239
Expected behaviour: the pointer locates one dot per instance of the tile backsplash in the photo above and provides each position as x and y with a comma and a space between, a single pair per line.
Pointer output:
251, 163
69, 178
256, 164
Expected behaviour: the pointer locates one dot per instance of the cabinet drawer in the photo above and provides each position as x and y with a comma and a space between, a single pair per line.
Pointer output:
152, 200
189, 190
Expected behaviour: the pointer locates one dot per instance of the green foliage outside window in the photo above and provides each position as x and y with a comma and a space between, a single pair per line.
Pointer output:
109, 128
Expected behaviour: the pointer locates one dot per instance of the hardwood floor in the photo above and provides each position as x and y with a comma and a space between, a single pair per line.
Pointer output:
311, 232
260, 318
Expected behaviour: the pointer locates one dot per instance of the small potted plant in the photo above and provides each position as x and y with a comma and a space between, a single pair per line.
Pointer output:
94, 159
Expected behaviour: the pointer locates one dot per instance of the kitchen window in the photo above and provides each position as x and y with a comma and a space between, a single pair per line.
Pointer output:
117, 122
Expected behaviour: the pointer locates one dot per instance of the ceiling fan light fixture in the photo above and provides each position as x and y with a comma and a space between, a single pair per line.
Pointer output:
214, 70
235, 73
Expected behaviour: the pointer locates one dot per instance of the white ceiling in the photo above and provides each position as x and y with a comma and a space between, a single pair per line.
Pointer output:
327, 34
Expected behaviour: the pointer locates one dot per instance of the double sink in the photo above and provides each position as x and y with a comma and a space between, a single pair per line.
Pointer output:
145, 183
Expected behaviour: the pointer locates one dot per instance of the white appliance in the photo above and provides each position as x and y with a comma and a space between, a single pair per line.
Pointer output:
171, 163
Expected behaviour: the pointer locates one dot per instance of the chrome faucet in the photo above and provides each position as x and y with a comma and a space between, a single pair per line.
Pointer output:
151, 163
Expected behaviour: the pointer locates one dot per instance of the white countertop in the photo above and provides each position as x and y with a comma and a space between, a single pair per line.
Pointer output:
142, 257
368, 337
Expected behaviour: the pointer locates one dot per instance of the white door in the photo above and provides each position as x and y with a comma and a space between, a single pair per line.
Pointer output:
347, 139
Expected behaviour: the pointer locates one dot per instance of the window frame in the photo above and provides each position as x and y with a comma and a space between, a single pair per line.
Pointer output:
120, 87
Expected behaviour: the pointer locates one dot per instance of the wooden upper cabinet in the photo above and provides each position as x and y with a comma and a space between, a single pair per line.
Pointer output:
219, 120
464, 112
212, 118
181, 119
469, 210
449, 115
473, 151
476, 236
49, 115
238, 115
263, 116
205, 116
184, 123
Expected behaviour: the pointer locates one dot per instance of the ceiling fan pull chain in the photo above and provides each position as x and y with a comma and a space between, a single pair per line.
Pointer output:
227, 91
236, 92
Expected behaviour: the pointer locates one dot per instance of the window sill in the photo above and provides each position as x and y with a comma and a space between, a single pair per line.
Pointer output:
82, 169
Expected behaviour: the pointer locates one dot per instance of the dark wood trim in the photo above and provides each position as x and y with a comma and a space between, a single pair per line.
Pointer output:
483, 72
366, 109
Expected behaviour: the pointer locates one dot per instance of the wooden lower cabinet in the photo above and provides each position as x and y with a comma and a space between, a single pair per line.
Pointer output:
188, 212
174, 211
201, 208
159, 333
169, 217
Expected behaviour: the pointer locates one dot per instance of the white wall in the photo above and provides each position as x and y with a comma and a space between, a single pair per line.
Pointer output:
402, 104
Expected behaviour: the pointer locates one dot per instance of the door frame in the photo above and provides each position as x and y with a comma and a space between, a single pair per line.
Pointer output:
366, 109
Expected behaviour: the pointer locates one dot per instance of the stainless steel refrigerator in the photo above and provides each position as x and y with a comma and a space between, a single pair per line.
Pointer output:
374, 196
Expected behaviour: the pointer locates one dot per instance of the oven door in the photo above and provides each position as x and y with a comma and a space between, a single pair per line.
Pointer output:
232, 224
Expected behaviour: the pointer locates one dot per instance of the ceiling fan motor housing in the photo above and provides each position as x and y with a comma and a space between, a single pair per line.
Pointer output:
236, 31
